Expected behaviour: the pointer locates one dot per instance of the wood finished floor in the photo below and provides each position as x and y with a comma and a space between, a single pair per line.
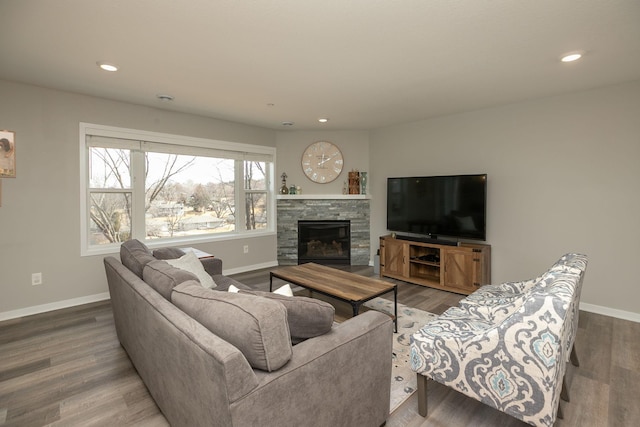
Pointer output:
67, 368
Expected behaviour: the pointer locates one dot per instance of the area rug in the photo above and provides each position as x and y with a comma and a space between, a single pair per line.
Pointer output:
403, 379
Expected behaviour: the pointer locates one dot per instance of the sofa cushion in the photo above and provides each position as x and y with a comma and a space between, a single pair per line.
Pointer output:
190, 262
224, 282
307, 317
256, 326
135, 255
163, 277
168, 253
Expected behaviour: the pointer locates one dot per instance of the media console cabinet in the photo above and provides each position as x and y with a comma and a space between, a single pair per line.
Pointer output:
461, 269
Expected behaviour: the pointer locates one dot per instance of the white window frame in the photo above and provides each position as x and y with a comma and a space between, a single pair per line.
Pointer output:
175, 144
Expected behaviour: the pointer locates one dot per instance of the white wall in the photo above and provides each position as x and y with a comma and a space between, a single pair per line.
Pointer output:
40, 213
354, 146
563, 176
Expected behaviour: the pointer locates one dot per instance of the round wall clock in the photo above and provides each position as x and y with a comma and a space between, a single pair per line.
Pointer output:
322, 162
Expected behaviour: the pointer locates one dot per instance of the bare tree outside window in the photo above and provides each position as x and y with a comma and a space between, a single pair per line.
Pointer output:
110, 211
256, 195
110, 217
197, 199
186, 191
169, 165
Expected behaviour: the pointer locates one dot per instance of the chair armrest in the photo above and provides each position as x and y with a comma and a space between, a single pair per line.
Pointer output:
531, 337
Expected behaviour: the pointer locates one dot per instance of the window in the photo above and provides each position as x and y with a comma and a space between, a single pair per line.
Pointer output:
165, 188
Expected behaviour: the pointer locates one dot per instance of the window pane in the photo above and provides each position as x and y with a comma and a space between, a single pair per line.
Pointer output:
110, 218
254, 176
188, 195
109, 168
256, 211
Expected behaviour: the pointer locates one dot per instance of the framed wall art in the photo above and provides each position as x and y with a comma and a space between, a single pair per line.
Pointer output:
7, 154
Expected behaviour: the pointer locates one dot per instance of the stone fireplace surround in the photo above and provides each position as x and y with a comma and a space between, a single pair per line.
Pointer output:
355, 208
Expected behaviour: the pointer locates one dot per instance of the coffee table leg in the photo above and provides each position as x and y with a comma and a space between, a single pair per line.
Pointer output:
395, 307
356, 308
270, 282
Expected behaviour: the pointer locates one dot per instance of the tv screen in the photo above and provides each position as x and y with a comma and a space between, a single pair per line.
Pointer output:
433, 206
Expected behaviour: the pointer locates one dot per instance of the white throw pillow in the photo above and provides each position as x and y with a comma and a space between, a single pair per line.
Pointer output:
192, 264
284, 290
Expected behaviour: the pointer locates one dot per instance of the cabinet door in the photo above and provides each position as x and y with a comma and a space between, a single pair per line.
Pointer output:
395, 257
463, 269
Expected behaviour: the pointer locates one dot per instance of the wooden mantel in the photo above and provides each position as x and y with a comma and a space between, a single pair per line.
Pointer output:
323, 196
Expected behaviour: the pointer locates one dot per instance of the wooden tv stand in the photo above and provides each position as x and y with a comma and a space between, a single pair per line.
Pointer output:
461, 269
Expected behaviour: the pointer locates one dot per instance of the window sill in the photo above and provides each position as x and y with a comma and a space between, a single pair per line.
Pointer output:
179, 241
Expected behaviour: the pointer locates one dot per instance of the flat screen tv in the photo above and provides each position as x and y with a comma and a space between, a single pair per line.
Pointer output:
432, 206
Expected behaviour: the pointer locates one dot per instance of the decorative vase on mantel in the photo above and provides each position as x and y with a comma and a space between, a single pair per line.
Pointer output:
363, 182
354, 182
283, 188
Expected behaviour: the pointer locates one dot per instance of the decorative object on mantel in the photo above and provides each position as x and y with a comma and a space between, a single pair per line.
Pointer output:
354, 182
363, 183
322, 162
284, 189
7, 154
292, 189
298, 189
345, 188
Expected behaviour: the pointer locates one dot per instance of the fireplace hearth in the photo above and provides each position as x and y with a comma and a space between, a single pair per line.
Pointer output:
324, 242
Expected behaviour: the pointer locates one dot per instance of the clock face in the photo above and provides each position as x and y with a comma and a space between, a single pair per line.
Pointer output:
322, 162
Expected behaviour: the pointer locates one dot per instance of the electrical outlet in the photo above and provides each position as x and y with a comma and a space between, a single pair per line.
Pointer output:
36, 279
246, 249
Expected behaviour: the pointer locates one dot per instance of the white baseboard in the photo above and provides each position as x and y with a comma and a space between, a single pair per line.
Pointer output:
37, 309
7, 315
250, 268
53, 306
619, 314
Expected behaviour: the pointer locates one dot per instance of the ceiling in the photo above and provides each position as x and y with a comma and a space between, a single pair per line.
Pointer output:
364, 64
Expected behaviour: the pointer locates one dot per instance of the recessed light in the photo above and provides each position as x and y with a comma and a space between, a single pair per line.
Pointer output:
164, 97
287, 123
323, 120
572, 56
107, 66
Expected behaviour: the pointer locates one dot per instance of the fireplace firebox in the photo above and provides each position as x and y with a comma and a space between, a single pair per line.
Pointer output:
324, 242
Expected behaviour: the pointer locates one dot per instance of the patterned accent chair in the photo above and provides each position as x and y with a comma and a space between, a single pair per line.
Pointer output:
491, 302
506, 345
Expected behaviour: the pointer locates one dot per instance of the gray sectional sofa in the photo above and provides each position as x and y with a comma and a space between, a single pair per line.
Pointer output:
214, 358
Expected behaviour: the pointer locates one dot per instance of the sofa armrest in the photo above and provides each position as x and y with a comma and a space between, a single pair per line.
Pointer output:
213, 266
340, 378
190, 372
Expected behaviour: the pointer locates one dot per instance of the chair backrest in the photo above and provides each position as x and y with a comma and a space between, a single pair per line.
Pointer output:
498, 307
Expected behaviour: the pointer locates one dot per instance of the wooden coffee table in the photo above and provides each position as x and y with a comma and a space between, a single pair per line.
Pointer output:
338, 284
